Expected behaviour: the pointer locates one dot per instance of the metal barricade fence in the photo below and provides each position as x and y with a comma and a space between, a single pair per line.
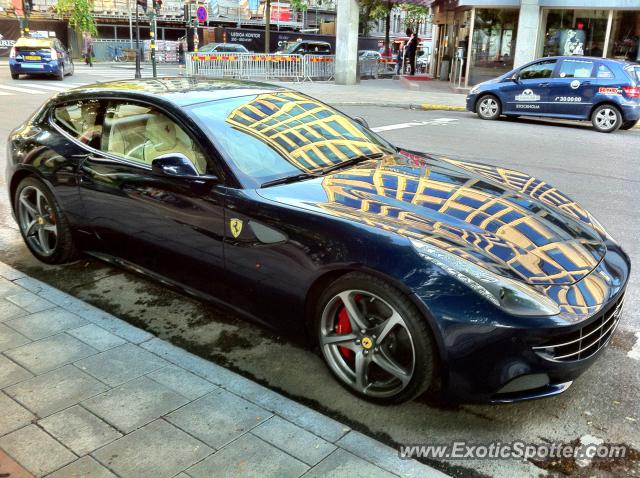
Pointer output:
245, 65
319, 67
109, 50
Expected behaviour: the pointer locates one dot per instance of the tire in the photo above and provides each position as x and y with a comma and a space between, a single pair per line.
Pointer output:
628, 125
488, 107
61, 74
407, 347
43, 219
606, 118
15, 76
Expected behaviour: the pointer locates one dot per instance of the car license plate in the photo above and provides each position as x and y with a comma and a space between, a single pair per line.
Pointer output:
32, 57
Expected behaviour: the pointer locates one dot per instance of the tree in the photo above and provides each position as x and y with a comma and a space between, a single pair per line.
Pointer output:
414, 16
370, 10
299, 5
80, 14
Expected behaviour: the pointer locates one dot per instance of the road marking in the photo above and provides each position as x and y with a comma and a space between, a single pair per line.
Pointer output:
45, 87
22, 90
413, 124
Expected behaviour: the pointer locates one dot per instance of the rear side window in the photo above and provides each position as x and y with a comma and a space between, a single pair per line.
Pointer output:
82, 120
576, 69
543, 69
604, 72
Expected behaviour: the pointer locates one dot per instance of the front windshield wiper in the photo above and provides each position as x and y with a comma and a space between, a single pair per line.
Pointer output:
351, 162
290, 179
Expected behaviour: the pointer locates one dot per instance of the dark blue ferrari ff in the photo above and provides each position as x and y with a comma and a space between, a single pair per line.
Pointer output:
411, 272
605, 92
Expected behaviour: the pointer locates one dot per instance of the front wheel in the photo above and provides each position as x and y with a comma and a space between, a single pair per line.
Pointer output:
43, 225
488, 108
606, 118
628, 125
15, 76
374, 340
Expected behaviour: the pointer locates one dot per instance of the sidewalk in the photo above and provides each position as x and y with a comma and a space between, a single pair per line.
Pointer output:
84, 393
383, 93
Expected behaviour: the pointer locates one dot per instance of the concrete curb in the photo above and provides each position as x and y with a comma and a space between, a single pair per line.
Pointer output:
428, 107
106, 367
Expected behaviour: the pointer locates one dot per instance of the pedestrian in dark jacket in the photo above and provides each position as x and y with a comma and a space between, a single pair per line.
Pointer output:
411, 50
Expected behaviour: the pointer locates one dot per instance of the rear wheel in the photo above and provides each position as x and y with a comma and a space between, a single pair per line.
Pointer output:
15, 76
374, 340
628, 124
488, 107
43, 226
60, 75
606, 118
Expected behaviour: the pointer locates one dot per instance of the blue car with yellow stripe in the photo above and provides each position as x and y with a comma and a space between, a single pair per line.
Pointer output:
40, 56
605, 92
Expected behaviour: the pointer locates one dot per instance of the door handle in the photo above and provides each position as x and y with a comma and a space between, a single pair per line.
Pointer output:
543, 84
586, 83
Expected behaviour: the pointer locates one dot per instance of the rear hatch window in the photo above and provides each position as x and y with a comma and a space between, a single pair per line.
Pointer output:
34, 50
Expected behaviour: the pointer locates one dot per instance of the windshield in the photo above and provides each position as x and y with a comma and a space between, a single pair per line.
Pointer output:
290, 47
281, 134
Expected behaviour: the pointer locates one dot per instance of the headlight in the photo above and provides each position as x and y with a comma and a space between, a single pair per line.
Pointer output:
475, 89
510, 295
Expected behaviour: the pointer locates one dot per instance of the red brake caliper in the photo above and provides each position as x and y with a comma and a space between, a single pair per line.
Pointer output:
343, 327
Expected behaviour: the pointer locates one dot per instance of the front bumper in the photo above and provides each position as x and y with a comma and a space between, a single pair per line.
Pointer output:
35, 68
489, 356
471, 102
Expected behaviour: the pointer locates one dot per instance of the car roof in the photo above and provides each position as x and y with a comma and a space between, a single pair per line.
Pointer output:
179, 91
579, 57
33, 42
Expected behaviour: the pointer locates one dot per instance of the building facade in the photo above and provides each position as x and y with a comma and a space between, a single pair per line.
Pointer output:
476, 40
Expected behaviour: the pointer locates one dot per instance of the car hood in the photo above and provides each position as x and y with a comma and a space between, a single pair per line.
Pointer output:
501, 219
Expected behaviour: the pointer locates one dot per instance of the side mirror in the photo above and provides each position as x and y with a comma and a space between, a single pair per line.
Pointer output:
360, 120
177, 165
515, 78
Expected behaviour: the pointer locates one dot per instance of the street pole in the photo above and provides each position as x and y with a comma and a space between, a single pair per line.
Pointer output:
267, 27
130, 27
152, 33
138, 75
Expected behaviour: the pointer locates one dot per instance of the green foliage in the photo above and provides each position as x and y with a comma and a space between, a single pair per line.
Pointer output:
415, 15
80, 14
299, 5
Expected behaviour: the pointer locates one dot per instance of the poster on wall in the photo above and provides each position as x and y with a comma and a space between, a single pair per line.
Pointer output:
572, 42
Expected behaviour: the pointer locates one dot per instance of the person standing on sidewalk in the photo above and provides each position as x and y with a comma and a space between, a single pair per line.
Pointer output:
411, 50
87, 48
400, 58
182, 46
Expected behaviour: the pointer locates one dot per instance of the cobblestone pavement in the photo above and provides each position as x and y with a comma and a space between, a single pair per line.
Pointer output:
84, 393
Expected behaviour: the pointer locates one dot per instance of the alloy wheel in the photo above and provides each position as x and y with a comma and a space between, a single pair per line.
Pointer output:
37, 220
488, 107
606, 118
367, 343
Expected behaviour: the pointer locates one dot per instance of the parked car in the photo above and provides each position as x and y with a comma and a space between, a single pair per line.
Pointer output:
40, 56
223, 48
605, 92
411, 272
369, 55
307, 47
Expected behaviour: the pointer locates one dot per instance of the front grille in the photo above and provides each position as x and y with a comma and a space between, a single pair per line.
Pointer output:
585, 342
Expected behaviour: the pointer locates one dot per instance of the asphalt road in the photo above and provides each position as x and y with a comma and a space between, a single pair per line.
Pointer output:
601, 171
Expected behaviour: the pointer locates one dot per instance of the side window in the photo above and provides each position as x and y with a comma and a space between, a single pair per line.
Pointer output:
604, 72
141, 133
82, 120
542, 69
576, 69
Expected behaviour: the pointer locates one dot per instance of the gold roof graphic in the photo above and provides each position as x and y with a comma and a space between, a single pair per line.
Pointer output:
475, 221
307, 133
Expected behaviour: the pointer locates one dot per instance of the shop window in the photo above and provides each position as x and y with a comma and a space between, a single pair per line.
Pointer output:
624, 42
494, 43
575, 32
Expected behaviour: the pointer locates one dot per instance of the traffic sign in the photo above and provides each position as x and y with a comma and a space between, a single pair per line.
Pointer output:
201, 13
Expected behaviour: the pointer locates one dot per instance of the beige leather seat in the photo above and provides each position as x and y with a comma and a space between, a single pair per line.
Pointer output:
164, 137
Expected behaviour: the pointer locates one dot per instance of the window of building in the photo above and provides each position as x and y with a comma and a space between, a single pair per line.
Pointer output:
574, 32
624, 42
494, 43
